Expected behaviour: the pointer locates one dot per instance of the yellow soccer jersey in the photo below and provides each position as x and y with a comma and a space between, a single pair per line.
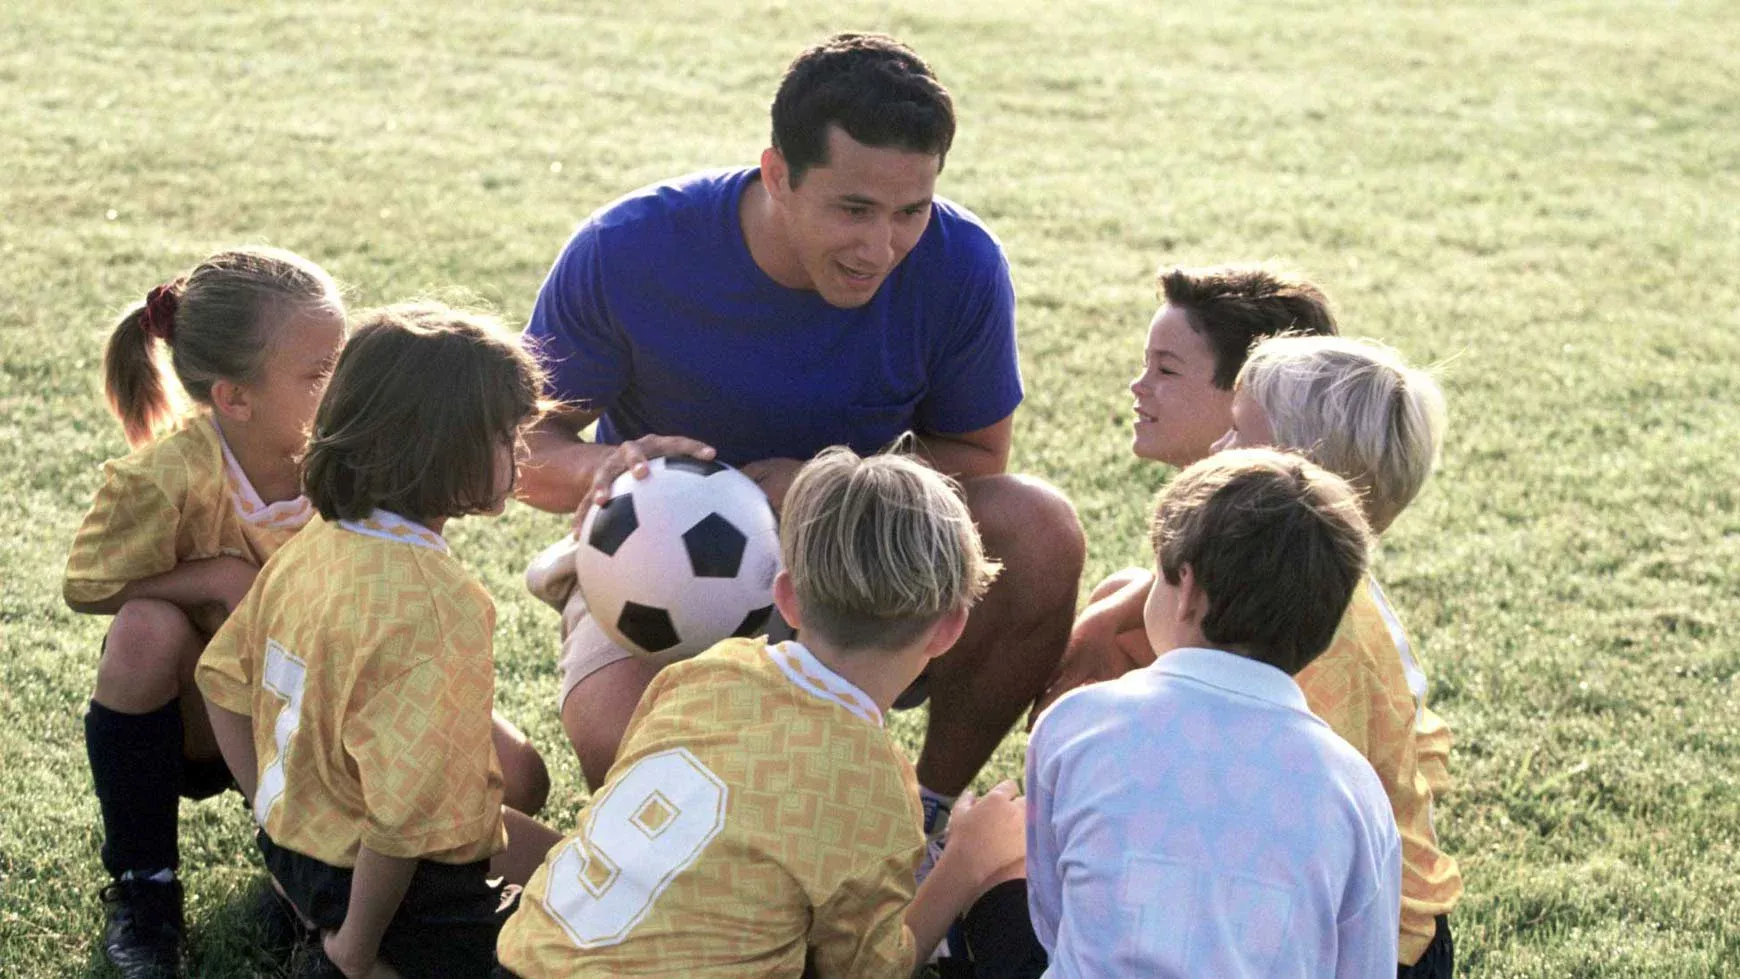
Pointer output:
363, 654
1360, 687
181, 498
757, 809
1431, 735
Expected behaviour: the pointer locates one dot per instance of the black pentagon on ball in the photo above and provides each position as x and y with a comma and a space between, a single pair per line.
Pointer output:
615, 521
715, 547
753, 624
690, 464
647, 627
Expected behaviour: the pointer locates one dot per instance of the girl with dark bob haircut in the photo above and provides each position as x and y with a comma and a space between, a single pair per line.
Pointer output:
424, 400
353, 691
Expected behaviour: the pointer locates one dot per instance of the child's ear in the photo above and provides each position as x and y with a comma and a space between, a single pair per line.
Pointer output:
785, 599
231, 400
946, 633
1192, 600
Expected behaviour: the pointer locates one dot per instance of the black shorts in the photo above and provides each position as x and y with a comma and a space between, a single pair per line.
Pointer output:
1439, 959
446, 925
202, 778
999, 938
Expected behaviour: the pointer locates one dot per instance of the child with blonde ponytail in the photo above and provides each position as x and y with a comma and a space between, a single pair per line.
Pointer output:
173, 541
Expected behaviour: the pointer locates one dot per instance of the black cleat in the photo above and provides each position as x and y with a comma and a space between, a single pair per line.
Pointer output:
143, 937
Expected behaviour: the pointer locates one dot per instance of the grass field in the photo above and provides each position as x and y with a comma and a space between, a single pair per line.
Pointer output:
1545, 197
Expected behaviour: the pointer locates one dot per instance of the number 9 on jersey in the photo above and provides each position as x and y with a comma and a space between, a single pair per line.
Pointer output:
636, 837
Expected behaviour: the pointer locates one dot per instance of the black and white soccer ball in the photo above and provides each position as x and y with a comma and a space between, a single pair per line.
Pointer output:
680, 560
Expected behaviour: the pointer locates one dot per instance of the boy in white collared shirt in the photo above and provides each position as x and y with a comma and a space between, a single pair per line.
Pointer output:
758, 820
1193, 818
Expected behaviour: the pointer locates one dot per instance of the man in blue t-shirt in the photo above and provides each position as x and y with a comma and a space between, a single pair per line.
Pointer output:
761, 315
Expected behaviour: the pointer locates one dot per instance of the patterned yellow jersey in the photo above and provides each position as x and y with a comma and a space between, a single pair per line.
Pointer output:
757, 809
1431, 735
1360, 686
181, 498
363, 655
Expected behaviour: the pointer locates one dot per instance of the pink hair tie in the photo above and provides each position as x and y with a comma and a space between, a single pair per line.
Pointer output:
160, 303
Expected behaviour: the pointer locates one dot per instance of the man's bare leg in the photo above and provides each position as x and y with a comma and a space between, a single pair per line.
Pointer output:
1016, 635
597, 710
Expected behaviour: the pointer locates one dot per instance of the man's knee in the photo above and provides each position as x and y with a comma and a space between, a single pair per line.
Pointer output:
1032, 528
596, 712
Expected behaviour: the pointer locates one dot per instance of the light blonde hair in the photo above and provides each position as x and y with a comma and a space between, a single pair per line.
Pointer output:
1356, 408
215, 323
879, 548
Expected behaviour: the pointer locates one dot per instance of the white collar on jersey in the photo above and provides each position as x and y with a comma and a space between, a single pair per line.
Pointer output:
390, 526
801, 667
282, 515
1233, 673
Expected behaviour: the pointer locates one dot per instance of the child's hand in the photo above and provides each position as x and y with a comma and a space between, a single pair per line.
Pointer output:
987, 836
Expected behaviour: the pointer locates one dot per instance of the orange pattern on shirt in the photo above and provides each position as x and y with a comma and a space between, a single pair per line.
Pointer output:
172, 501
816, 848
1359, 687
392, 746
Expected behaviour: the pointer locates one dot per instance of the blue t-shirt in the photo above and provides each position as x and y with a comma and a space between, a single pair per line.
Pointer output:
656, 314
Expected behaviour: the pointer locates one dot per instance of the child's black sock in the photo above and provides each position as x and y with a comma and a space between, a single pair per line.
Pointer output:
136, 765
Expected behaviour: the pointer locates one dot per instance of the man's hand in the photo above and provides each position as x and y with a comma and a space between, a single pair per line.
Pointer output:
774, 476
632, 456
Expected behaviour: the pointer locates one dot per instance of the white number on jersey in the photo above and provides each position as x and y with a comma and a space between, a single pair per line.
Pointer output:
644, 830
284, 675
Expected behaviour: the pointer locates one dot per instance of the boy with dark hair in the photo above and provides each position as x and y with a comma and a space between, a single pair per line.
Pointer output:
1194, 818
1208, 320
759, 816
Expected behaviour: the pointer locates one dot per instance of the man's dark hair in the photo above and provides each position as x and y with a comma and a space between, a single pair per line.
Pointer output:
423, 400
870, 85
1234, 306
1276, 543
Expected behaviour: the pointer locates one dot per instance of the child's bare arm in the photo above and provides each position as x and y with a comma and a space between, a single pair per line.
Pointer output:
377, 887
235, 738
1108, 640
986, 846
219, 581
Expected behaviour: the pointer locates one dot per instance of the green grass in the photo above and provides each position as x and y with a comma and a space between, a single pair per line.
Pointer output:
1544, 196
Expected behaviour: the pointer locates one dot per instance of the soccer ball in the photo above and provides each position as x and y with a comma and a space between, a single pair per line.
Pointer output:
680, 560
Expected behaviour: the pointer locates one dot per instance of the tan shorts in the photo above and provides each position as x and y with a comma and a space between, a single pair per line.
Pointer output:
585, 650
585, 647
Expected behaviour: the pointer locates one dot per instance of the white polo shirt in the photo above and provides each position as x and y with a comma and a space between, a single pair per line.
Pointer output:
1193, 818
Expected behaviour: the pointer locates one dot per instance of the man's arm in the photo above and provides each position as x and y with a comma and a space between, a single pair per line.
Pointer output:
967, 455
566, 474
559, 471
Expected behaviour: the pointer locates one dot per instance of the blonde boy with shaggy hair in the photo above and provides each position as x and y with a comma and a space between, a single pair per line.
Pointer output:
1357, 409
758, 818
